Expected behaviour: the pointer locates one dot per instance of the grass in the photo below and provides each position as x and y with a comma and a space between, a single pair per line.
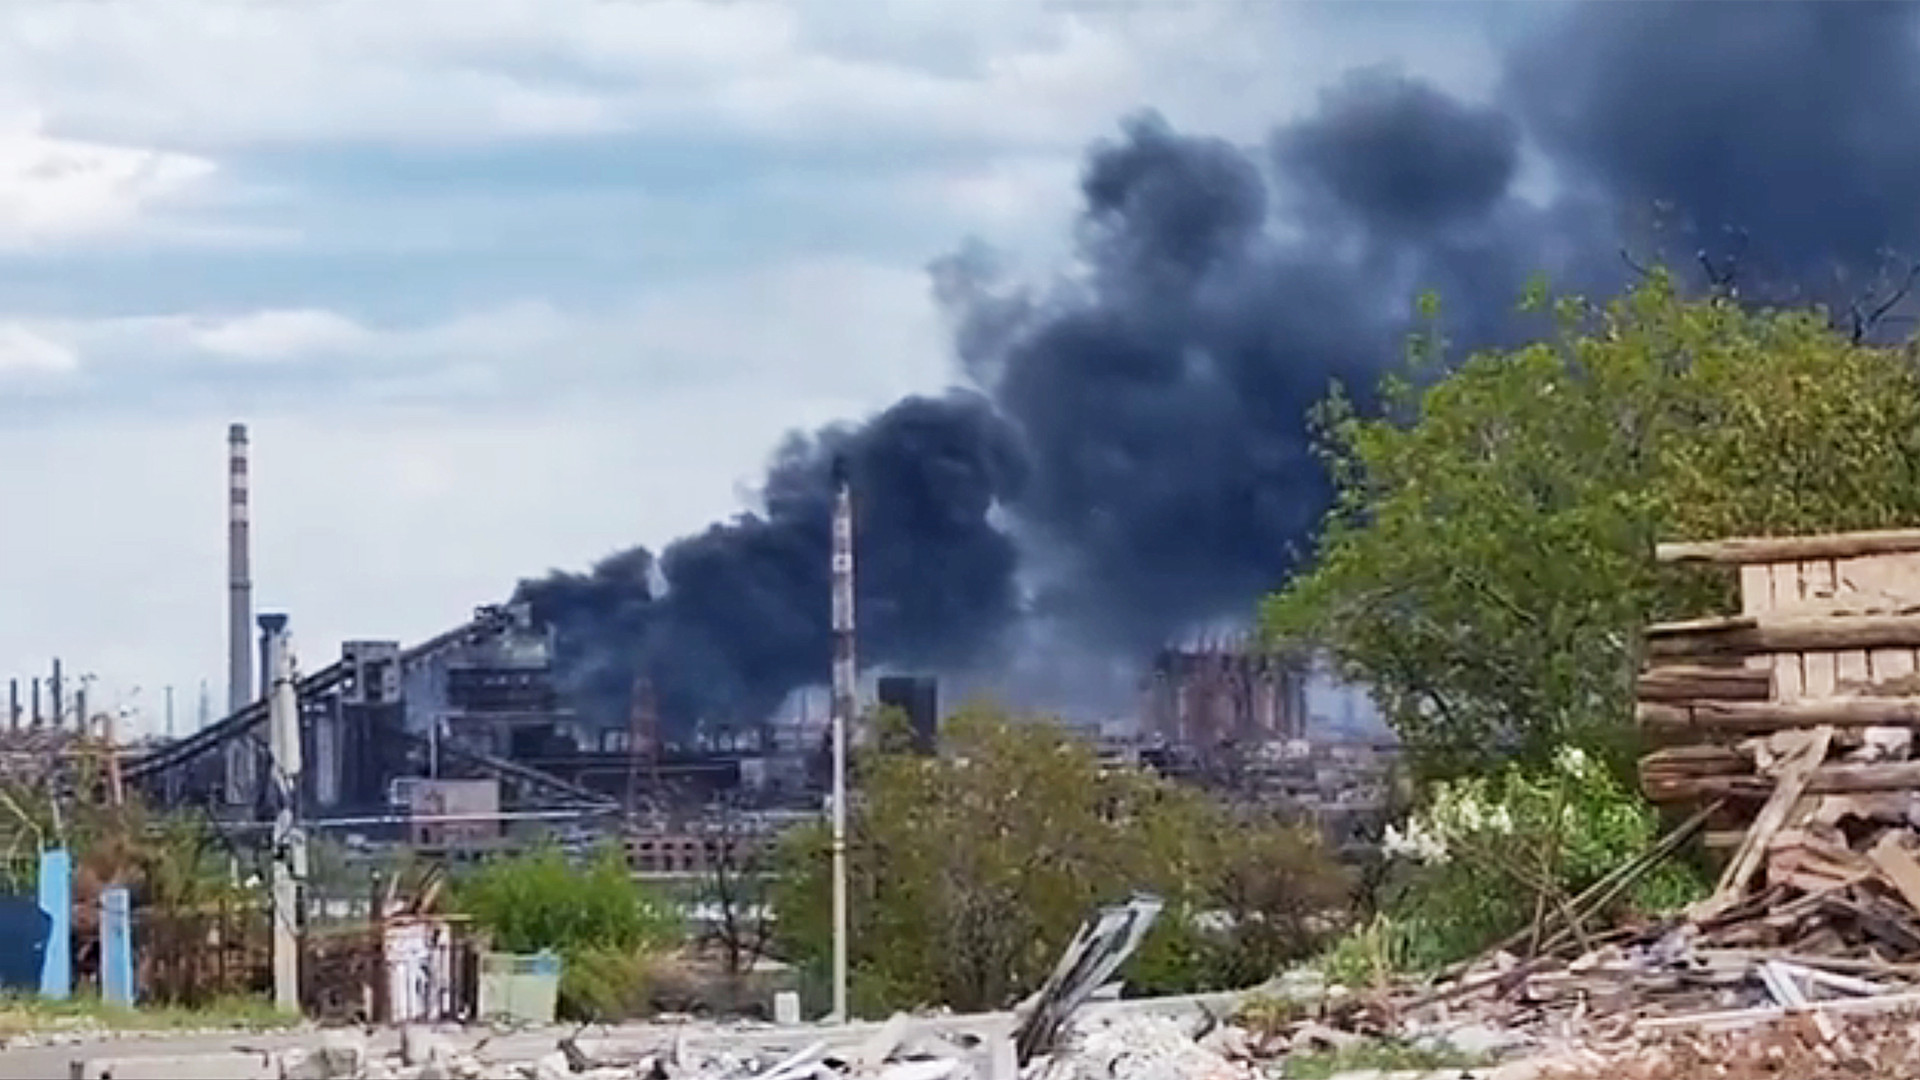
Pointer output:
25, 1015
1386, 1055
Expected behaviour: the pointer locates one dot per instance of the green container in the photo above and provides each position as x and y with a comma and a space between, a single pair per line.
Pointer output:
521, 989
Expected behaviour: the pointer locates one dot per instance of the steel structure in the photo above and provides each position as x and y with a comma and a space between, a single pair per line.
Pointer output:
245, 728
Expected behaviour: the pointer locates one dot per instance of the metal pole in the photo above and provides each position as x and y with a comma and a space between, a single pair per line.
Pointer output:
843, 691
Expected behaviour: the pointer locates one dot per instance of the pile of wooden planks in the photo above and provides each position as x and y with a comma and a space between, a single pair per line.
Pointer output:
1799, 716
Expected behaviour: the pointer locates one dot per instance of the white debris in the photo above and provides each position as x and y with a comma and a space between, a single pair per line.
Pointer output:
341, 1055
1138, 1047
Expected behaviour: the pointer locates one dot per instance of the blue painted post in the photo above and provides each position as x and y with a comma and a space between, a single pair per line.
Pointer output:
56, 899
116, 948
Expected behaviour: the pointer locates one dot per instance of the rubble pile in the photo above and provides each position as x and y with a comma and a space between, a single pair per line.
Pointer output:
1886, 1048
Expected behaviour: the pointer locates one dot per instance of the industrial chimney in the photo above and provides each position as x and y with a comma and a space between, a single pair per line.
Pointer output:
239, 576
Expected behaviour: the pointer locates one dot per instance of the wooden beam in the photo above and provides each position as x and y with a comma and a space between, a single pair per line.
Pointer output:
1834, 633
1773, 549
1708, 624
1795, 773
1826, 780
1763, 717
1689, 682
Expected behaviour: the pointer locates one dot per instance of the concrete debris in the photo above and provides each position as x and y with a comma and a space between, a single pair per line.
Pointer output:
1139, 1048
1090, 960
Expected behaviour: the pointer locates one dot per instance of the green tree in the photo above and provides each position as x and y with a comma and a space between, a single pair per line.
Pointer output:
1486, 567
969, 872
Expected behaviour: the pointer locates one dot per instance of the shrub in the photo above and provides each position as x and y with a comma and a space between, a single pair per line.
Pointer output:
604, 985
1480, 858
541, 901
597, 918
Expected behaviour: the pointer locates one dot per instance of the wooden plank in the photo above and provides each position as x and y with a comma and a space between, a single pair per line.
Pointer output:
1891, 859
1839, 779
1736, 1019
1880, 575
1710, 624
1723, 718
1697, 761
1820, 672
1689, 683
1756, 589
1792, 635
1756, 597
1884, 665
1818, 668
1790, 785
1850, 668
1746, 550
1788, 681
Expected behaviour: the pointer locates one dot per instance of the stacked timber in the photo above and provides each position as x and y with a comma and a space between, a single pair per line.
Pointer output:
1797, 719
1829, 636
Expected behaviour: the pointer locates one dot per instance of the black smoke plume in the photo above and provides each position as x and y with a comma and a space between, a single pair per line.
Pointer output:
725, 623
1137, 460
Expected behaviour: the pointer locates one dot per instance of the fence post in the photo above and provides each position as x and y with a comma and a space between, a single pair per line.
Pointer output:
116, 948
56, 899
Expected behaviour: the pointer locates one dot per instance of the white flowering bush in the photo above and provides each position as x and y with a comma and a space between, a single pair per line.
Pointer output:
1474, 860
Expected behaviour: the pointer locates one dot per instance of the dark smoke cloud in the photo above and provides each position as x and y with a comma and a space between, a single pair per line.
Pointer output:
1401, 156
1141, 426
1792, 122
728, 621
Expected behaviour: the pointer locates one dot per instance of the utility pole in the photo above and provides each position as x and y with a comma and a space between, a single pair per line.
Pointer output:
843, 691
289, 843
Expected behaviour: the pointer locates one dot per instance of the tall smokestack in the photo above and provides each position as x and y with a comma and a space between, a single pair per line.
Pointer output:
239, 576
843, 688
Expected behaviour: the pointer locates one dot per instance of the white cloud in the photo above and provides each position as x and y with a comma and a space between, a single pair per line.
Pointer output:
54, 189
833, 327
1011, 72
276, 335
23, 351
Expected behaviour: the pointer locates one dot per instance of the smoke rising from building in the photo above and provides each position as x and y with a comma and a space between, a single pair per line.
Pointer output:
1133, 456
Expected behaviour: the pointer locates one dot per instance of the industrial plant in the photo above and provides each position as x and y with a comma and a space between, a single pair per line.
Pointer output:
454, 743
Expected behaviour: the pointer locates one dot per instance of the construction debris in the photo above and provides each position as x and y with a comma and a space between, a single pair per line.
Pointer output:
1091, 958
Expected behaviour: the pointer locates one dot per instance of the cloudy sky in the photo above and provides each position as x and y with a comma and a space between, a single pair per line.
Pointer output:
504, 285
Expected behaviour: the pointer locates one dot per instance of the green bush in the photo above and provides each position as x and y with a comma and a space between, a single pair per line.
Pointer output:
604, 985
600, 921
1479, 859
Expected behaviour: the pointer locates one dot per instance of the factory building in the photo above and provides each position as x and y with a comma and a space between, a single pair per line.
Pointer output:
1225, 692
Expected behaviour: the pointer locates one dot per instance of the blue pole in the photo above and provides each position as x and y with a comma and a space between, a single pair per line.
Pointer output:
116, 948
56, 899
